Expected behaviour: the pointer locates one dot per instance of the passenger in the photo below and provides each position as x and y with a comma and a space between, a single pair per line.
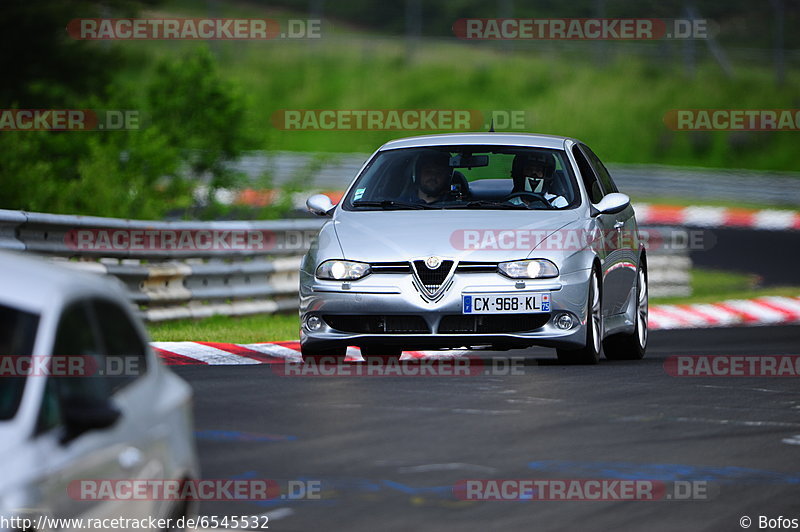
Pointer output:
536, 173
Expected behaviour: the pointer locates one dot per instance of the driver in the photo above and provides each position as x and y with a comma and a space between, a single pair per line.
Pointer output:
433, 175
535, 173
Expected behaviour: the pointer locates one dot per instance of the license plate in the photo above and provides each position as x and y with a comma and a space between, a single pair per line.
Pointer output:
505, 303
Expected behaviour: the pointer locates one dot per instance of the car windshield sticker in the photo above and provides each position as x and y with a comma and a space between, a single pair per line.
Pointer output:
359, 193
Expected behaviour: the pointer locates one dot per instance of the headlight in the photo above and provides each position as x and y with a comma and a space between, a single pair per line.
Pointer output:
342, 270
528, 269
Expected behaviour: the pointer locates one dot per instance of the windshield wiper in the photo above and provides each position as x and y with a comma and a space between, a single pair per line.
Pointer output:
390, 204
480, 204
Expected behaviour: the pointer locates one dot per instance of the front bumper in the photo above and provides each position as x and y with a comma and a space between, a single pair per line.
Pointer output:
394, 295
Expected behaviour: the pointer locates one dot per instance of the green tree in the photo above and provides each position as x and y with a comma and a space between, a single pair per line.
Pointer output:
201, 113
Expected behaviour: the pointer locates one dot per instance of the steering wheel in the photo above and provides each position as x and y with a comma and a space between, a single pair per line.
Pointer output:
533, 195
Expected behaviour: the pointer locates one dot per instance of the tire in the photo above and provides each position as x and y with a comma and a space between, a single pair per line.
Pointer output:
632, 346
319, 354
385, 352
590, 352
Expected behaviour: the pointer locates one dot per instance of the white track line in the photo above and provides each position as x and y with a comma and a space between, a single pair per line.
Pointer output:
707, 216
774, 219
277, 351
659, 320
204, 353
791, 304
686, 316
704, 216
765, 314
723, 316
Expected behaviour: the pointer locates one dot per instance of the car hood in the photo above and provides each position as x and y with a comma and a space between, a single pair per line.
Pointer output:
386, 236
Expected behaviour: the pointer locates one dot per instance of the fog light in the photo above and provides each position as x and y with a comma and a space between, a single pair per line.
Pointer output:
564, 321
313, 323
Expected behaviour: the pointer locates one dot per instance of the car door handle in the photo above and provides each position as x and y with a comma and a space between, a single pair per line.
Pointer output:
129, 458
619, 225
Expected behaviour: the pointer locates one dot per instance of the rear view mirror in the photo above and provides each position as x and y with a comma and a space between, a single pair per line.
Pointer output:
468, 161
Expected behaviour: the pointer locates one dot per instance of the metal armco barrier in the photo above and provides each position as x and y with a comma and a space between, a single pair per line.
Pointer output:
668, 274
169, 283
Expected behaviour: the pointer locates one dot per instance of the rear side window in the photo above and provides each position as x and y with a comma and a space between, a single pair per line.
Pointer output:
108, 350
75, 341
587, 174
76, 337
601, 170
125, 351
50, 411
17, 338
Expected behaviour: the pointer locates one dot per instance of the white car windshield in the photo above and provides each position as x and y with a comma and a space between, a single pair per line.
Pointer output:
466, 177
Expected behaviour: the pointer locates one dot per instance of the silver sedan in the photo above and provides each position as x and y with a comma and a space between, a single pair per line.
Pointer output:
477, 240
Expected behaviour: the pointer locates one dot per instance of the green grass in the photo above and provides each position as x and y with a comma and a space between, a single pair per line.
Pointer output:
683, 201
708, 286
617, 108
241, 330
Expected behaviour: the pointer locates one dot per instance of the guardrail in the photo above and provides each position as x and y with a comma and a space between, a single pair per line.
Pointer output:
669, 274
230, 268
229, 275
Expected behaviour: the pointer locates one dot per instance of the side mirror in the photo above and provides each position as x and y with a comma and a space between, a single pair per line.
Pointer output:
82, 415
612, 204
320, 204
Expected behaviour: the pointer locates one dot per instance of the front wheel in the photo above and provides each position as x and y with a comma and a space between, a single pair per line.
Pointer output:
632, 346
589, 353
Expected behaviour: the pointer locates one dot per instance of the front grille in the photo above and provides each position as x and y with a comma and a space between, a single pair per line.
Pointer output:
376, 324
476, 267
390, 267
432, 279
492, 323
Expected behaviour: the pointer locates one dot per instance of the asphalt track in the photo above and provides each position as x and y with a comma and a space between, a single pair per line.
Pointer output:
388, 450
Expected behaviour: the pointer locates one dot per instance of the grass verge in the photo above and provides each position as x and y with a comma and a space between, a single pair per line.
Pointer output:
240, 330
617, 105
711, 286
707, 202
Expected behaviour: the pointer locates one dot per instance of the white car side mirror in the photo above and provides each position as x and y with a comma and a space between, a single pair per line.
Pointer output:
320, 204
612, 203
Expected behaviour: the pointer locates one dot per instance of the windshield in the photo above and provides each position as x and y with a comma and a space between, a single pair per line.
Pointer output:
465, 177
17, 336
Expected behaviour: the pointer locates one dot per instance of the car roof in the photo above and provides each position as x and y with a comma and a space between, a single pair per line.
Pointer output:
487, 139
34, 284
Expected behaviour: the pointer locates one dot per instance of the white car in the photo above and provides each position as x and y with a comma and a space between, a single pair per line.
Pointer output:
115, 413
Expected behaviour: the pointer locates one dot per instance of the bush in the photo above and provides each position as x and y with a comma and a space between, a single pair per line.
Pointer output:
191, 124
